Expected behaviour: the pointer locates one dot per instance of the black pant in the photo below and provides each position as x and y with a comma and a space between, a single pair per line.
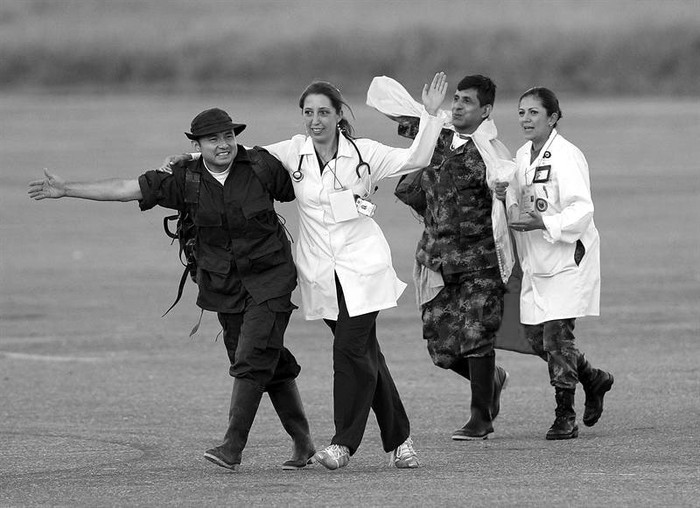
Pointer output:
254, 341
361, 380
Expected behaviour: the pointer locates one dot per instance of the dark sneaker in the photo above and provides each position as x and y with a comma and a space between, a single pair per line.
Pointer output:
333, 456
219, 457
595, 391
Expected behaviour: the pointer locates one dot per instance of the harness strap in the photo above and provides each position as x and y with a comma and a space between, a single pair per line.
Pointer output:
191, 187
180, 289
192, 180
260, 168
196, 327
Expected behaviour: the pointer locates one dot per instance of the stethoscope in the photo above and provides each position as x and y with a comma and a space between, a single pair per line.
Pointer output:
298, 176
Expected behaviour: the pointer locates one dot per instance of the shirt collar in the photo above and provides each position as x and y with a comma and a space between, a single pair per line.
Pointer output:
459, 140
344, 148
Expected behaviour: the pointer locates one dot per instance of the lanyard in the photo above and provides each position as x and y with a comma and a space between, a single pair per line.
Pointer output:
532, 168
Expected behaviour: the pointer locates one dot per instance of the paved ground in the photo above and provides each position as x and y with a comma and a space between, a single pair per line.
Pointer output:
124, 421
103, 403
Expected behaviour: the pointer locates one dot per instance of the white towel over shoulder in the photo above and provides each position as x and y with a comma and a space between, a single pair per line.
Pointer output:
390, 98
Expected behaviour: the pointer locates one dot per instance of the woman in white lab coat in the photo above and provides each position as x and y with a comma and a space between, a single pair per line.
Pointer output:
344, 262
551, 211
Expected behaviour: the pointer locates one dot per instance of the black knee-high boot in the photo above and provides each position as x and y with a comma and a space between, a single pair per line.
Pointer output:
480, 423
245, 400
500, 381
287, 403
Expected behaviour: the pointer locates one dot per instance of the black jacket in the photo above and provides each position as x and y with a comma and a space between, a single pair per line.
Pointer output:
242, 248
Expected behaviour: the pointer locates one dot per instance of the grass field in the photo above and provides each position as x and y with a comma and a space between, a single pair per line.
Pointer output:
104, 403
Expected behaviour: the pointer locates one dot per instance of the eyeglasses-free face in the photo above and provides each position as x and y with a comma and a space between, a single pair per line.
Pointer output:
320, 118
534, 121
218, 149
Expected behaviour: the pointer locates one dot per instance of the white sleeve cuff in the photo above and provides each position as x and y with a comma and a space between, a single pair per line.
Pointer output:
553, 232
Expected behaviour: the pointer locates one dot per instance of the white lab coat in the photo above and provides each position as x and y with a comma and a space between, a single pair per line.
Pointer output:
355, 250
553, 286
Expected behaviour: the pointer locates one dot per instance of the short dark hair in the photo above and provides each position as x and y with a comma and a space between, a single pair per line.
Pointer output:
485, 88
549, 100
333, 94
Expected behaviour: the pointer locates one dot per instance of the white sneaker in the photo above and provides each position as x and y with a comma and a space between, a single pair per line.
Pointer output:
404, 457
333, 456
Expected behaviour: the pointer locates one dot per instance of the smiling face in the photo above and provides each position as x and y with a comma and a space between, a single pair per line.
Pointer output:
218, 149
536, 124
320, 118
467, 111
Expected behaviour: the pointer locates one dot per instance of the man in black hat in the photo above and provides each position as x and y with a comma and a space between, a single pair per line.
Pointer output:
245, 270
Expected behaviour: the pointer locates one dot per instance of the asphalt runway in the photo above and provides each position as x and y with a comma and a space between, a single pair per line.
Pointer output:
125, 423
105, 403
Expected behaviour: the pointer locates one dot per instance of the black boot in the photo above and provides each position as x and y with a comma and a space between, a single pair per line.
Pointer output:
480, 424
596, 383
564, 426
287, 402
245, 399
500, 381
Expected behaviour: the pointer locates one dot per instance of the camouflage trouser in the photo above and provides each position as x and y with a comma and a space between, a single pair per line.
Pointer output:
556, 340
462, 320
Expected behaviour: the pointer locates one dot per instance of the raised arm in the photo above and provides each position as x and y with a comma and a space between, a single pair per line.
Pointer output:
389, 161
434, 94
54, 187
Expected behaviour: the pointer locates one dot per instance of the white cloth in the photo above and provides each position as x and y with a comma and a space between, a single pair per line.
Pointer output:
553, 286
389, 97
355, 250
427, 282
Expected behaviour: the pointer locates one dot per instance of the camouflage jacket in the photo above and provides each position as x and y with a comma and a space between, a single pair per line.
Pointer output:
458, 235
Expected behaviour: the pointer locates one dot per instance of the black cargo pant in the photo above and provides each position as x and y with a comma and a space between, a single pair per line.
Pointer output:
254, 341
361, 380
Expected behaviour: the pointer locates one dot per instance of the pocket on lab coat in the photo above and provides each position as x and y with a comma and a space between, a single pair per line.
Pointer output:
553, 259
368, 256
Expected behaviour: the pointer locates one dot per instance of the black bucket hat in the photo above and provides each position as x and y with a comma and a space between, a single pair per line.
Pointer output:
211, 121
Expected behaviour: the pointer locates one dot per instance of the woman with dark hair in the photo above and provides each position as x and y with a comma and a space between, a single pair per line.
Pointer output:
551, 211
344, 262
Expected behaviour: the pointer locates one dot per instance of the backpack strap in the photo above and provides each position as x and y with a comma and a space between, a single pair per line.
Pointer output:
260, 167
192, 184
264, 174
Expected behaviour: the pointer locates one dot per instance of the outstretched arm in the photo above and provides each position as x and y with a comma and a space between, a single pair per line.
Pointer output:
54, 187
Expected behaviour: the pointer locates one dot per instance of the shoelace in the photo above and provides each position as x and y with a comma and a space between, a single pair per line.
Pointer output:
405, 450
335, 451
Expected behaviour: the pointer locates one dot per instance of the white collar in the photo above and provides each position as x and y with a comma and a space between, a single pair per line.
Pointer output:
344, 149
545, 148
459, 140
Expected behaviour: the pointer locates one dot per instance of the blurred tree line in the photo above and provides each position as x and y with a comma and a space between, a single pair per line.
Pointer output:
628, 47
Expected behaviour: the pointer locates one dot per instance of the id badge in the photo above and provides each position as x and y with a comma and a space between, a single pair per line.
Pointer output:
542, 174
343, 205
527, 201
